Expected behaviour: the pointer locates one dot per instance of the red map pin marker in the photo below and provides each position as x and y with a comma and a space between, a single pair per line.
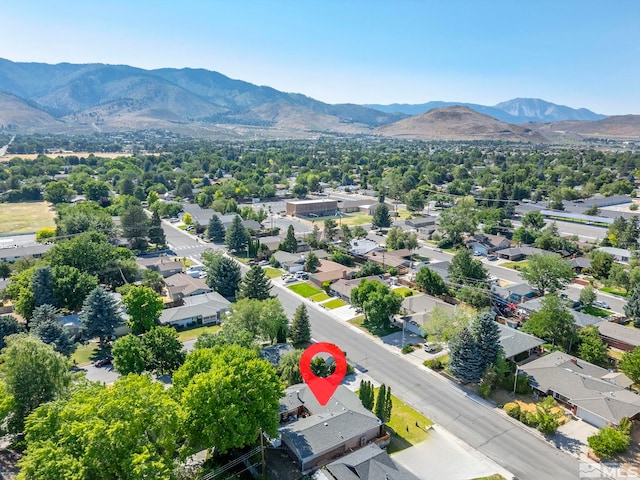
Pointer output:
323, 388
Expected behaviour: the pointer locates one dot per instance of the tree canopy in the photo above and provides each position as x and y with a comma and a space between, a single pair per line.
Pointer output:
377, 302
547, 273
143, 306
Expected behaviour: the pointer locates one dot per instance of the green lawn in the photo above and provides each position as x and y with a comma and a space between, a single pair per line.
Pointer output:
319, 297
515, 265
615, 291
404, 291
272, 272
304, 290
84, 354
335, 303
196, 332
409, 425
378, 332
595, 311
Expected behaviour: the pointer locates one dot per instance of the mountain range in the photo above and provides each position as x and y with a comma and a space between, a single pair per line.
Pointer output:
82, 98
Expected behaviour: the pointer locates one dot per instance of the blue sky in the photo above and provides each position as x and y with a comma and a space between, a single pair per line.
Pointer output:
577, 53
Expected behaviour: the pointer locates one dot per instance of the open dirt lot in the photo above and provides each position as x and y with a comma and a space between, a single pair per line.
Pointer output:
25, 217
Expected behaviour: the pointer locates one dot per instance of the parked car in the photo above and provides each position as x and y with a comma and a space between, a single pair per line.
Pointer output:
492, 257
264, 263
601, 304
431, 347
290, 279
302, 275
101, 362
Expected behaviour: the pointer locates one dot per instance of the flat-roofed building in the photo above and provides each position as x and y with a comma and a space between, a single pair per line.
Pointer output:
304, 208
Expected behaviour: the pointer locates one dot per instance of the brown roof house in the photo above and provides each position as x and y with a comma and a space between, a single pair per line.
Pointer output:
315, 435
329, 271
182, 285
594, 394
164, 265
343, 287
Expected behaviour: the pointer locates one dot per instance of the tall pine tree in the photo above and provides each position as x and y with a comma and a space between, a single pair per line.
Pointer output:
42, 284
236, 236
632, 308
381, 404
100, 315
289, 244
464, 361
255, 284
223, 273
487, 337
215, 229
381, 217
388, 405
300, 331
156, 233
366, 394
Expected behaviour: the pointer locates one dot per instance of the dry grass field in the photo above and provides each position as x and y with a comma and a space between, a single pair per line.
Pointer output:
28, 217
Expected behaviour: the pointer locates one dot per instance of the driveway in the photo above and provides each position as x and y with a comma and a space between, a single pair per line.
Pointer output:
442, 455
572, 438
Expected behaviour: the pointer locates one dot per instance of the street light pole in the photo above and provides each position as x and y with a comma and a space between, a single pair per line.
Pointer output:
515, 379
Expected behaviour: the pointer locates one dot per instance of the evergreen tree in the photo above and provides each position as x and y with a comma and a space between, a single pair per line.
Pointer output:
313, 239
156, 233
366, 394
464, 361
100, 315
632, 308
255, 284
311, 263
300, 331
330, 229
8, 326
381, 217
388, 405
54, 334
381, 401
135, 224
289, 244
215, 229
236, 236
42, 284
487, 337
43, 314
223, 274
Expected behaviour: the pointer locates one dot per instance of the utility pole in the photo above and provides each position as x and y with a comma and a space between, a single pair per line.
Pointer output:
264, 464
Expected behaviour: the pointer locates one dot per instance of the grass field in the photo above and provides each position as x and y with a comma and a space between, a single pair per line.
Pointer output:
595, 311
272, 272
196, 332
335, 303
616, 291
27, 217
84, 354
379, 332
304, 290
409, 425
320, 297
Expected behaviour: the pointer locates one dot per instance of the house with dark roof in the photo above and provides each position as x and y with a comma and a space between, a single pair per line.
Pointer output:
368, 463
181, 285
388, 259
515, 254
581, 319
205, 309
274, 353
342, 288
618, 336
485, 244
164, 265
315, 435
594, 394
441, 268
518, 344
417, 311
515, 293
578, 264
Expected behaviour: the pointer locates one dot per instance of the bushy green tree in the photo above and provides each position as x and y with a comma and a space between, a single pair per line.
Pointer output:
592, 349
311, 263
9, 325
414, 200
164, 349
381, 217
223, 274
630, 365
608, 442
33, 373
144, 307
460, 219
289, 368
366, 394
601, 263
71, 286
547, 273
129, 355
587, 295
377, 302
255, 284
466, 270
300, 331
330, 229
430, 282
100, 315
553, 322
486, 334
547, 416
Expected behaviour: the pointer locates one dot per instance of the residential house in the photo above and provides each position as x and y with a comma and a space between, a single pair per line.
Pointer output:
205, 309
620, 255
16, 252
618, 336
441, 268
380, 240
274, 353
515, 254
580, 319
594, 394
315, 435
485, 244
423, 225
368, 463
517, 344
291, 262
516, 293
272, 243
329, 271
388, 259
164, 265
342, 288
417, 311
360, 247
578, 264
181, 285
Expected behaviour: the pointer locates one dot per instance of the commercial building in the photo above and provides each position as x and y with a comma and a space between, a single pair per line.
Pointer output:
305, 208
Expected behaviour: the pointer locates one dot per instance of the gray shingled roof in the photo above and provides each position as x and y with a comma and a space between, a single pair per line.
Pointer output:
615, 331
514, 341
368, 463
585, 385
207, 304
342, 418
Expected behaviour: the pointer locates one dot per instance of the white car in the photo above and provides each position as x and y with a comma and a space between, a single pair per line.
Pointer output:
601, 304
290, 279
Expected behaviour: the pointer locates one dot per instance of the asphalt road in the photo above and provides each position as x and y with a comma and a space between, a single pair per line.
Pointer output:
476, 423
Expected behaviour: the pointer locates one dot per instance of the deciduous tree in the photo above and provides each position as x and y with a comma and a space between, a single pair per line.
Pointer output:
143, 306
289, 368
377, 302
460, 219
430, 282
129, 355
592, 349
552, 322
466, 270
71, 286
164, 349
547, 273
630, 365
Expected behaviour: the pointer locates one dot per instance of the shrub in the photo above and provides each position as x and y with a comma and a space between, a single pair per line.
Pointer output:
434, 364
484, 390
608, 442
625, 425
326, 286
513, 410
408, 348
